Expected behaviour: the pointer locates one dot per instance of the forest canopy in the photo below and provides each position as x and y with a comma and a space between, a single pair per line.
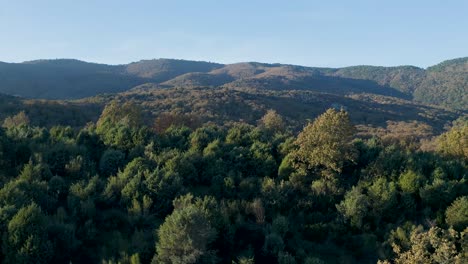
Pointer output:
122, 190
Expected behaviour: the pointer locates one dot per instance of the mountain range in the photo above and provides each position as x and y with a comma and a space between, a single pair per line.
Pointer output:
445, 84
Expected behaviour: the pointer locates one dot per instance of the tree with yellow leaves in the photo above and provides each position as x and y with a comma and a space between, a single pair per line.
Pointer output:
327, 142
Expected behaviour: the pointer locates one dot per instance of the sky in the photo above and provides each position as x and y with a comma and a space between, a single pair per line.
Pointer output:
326, 33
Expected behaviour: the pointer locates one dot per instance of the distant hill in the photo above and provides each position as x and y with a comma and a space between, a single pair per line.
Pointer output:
223, 105
62, 79
165, 69
46, 113
73, 79
445, 84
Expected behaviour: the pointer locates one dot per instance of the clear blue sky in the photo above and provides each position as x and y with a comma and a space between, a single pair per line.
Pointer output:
313, 33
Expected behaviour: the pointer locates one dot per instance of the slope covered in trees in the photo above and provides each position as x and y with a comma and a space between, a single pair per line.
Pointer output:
192, 106
66, 79
444, 84
120, 191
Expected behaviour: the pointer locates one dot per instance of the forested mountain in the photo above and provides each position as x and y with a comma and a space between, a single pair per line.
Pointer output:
119, 191
164, 69
194, 106
66, 79
445, 84
196, 162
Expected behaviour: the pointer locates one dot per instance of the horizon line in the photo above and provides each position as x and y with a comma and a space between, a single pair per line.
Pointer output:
214, 62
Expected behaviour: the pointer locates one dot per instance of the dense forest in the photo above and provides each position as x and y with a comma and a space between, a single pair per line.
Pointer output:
136, 182
193, 106
444, 84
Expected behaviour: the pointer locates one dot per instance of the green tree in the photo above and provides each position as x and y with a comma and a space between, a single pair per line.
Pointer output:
121, 126
383, 198
26, 240
111, 161
433, 246
455, 141
201, 137
272, 121
115, 112
20, 119
327, 142
410, 181
457, 213
354, 207
163, 187
176, 137
185, 236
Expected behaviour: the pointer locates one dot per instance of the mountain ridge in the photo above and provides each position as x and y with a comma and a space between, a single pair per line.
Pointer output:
445, 83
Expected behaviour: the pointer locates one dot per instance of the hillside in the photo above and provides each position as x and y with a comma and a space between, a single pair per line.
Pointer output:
46, 113
104, 177
72, 79
225, 105
445, 84
122, 190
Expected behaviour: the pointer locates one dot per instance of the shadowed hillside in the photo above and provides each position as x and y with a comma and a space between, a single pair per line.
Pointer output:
444, 84
223, 105
165, 69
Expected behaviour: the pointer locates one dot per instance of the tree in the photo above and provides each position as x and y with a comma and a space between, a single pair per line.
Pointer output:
354, 207
202, 136
176, 137
4, 146
457, 213
185, 235
121, 126
327, 142
17, 120
383, 198
111, 161
410, 181
163, 186
455, 141
116, 112
27, 241
272, 121
273, 244
433, 246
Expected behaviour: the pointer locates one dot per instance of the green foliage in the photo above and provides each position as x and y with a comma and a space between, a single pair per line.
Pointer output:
286, 167
280, 225
111, 161
116, 192
383, 197
410, 181
454, 143
273, 244
327, 142
440, 193
20, 119
443, 84
176, 137
21, 192
26, 240
354, 207
121, 126
163, 187
203, 136
273, 121
185, 236
457, 213
433, 246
